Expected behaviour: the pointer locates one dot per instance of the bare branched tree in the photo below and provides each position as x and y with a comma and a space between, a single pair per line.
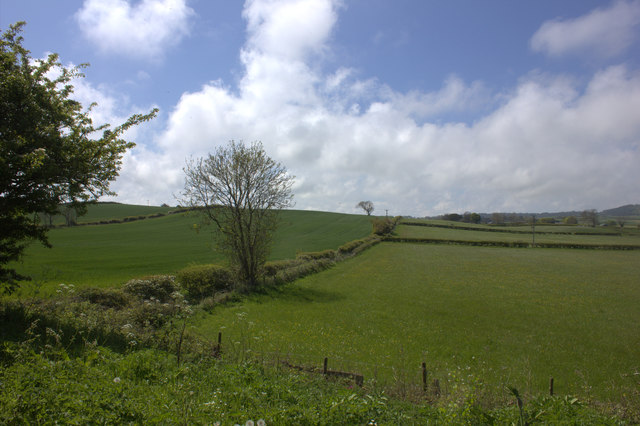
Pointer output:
240, 190
367, 206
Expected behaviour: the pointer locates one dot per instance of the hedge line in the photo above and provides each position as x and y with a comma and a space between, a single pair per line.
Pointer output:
202, 281
284, 271
510, 231
517, 244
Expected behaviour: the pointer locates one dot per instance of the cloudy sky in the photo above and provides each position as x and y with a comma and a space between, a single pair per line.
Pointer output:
422, 107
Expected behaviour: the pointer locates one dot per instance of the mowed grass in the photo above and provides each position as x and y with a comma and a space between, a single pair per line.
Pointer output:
542, 235
478, 316
108, 255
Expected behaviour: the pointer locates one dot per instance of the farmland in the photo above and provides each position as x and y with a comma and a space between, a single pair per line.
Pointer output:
493, 315
108, 255
481, 319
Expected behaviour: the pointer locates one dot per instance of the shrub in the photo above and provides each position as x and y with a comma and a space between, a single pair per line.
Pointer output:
107, 297
356, 246
326, 254
270, 269
160, 287
205, 280
382, 226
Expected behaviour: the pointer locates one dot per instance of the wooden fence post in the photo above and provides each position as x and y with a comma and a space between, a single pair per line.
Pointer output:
217, 350
551, 386
424, 376
436, 385
324, 370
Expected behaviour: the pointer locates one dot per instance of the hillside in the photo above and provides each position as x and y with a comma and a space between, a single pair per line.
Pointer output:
109, 254
623, 211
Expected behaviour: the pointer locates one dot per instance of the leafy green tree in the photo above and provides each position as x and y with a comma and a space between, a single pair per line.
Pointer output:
49, 158
240, 190
475, 218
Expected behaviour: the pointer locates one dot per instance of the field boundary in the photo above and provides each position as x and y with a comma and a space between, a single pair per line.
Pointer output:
512, 244
508, 231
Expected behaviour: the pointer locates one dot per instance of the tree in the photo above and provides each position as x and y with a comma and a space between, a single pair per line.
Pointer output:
48, 158
590, 217
367, 206
240, 190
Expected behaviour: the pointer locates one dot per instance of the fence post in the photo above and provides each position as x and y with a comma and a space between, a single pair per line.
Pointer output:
324, 370
424, 376
551, 386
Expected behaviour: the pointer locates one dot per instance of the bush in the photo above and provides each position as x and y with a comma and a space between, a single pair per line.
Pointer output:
270, 269
326, 254
205, 280
107, 297
382, 226
160, 287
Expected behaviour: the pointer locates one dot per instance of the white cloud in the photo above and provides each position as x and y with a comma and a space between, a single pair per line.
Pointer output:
605, 32
145, 29
549, 144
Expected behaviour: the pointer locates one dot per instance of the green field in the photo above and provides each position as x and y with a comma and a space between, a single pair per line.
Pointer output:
108, 255
542, 235
109, 211
493, 315
481, 318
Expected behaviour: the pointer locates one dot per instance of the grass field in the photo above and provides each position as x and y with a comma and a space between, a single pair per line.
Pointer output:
108, 255
481, 318
484, 315
543, 235
109, 211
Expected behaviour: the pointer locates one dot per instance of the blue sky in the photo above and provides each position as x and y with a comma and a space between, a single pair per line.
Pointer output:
423, 107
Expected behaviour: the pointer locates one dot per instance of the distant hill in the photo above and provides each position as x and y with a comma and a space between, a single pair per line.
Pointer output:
628, 211
623, 211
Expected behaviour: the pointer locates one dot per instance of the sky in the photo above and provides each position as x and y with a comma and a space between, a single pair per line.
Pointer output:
422, 107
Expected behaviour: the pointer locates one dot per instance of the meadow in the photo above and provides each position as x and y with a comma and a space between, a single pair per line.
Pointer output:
543, 234
482, 319
479, 317
108, 255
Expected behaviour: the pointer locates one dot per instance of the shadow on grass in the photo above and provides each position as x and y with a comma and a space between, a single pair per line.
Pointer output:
20, 322
295, 293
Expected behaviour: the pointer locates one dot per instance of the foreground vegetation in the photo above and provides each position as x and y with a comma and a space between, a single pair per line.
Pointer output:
72, 359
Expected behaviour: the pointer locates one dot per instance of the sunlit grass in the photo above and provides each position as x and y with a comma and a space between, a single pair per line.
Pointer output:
493, 315
108, 255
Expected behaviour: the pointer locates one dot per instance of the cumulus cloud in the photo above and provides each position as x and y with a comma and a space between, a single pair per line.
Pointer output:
145, 29
550, 143
605, 32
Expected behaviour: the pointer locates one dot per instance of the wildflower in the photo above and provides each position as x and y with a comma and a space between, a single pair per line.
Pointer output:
261, 423
116, 380
249, 423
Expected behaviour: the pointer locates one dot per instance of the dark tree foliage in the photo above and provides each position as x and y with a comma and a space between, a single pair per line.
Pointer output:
49, 160
367, 206
241, 190
590, 217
